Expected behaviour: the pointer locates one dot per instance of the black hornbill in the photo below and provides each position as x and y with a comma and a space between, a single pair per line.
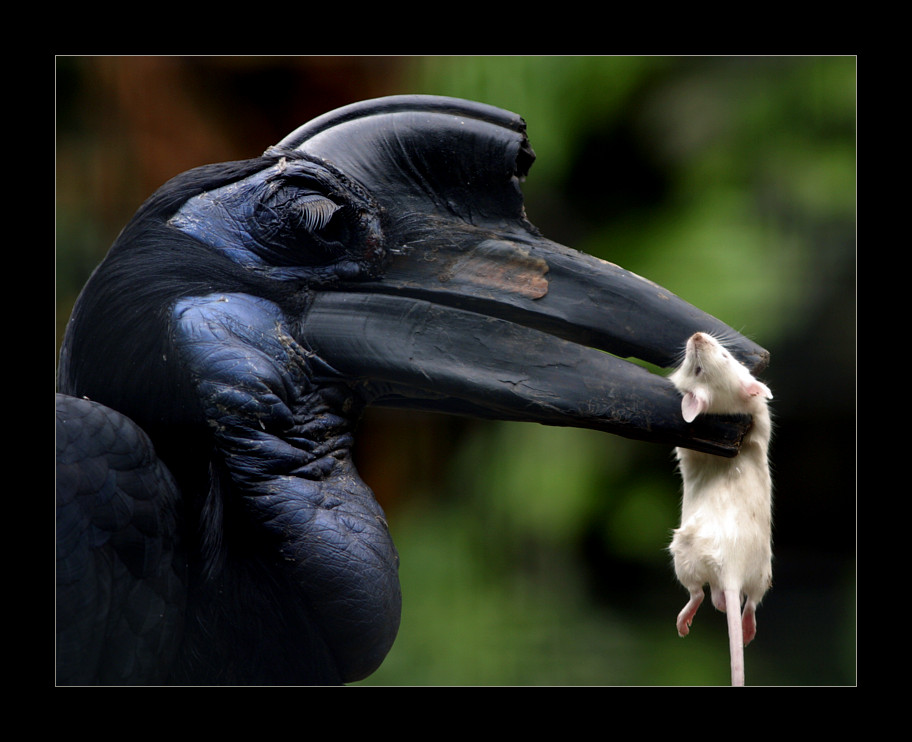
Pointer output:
211, 526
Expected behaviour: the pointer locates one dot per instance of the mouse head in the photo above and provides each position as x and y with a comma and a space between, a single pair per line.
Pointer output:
712, 381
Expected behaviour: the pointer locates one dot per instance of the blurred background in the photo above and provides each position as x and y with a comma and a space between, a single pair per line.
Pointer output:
534, 555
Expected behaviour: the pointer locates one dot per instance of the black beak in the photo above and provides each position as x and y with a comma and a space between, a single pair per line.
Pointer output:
476, 313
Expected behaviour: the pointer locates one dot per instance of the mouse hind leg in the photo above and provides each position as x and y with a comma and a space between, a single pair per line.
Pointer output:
686, 616
749, 621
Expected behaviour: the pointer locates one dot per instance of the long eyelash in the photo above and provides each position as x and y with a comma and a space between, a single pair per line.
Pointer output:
316, 211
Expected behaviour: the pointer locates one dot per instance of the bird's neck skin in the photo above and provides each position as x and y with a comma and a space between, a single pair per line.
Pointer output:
282, 435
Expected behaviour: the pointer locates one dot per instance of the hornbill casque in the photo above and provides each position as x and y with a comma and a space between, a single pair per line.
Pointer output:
211, 526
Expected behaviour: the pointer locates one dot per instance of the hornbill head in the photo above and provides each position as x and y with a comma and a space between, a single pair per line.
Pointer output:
379, 254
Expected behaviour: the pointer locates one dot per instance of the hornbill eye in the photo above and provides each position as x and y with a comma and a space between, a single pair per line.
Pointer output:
297, 226
297, 219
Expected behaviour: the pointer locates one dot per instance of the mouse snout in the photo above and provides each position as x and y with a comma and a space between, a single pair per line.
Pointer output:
698, 340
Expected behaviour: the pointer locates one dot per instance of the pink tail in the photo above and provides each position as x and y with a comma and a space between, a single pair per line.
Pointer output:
735, 635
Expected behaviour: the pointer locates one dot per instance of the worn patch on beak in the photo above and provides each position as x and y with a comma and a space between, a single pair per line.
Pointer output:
499, 266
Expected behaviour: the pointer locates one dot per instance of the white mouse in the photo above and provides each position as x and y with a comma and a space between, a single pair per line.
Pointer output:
726, 522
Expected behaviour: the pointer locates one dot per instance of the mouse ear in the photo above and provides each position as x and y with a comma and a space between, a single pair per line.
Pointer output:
693, 404
754, 388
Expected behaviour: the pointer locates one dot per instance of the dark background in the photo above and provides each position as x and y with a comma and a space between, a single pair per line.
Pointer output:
535, 555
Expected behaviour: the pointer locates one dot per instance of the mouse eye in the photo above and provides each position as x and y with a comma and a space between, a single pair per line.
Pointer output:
698, 370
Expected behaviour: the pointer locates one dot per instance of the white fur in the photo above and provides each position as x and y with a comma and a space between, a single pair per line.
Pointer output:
725, 535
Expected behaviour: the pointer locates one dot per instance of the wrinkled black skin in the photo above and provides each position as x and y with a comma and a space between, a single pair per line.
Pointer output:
240, 335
